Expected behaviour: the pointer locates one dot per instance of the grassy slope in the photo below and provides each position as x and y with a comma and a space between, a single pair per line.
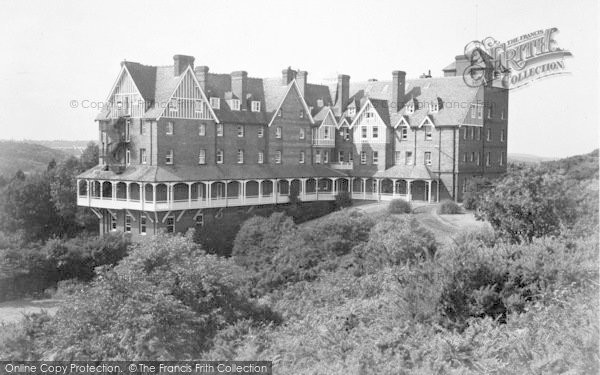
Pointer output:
26, 157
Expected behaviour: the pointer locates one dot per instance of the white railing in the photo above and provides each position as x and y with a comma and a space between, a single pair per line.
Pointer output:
343, 165
323, 142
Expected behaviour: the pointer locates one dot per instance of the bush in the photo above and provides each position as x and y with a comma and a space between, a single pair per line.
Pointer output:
399, 206
343, 199
395, 241
484, 236
167, 299
258, 239
448, 207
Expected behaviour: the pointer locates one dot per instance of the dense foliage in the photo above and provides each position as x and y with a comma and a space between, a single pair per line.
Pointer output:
399, 206
448, 207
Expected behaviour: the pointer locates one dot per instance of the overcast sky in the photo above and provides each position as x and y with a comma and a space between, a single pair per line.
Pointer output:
55, 52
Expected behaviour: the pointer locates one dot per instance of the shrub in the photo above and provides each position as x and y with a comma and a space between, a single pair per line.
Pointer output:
258, 239
484, 236
399, 206
448, 207
167, 299
395, 241
343, 199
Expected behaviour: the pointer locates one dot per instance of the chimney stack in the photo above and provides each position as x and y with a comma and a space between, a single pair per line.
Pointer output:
239, 84
181, 62
342, 94
287, 76
202, 76
398, 89
301, 78
461, 63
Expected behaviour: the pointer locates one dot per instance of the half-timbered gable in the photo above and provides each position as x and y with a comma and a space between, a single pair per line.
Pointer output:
125, 98
188, 101
368, 126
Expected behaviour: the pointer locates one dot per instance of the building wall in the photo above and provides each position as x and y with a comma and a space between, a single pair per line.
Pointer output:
290, 122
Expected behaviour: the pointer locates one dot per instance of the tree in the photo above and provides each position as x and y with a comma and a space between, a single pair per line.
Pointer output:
166, 300
528, 203
90, 156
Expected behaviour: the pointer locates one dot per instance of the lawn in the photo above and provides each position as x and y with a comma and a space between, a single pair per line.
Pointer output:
12, 311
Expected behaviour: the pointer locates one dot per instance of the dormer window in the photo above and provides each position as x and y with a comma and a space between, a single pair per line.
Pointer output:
319, 103
351, 111
235, 104
435, 107
215, 103
410, 109
255, 106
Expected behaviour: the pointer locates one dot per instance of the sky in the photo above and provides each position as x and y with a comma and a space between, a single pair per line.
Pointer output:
57, 52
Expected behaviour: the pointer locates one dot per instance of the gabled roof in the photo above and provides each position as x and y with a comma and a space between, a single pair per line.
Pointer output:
292, 86
427, 120
143, 76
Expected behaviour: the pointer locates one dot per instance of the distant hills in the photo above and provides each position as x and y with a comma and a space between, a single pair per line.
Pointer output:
27, 157
528, 159
74, 148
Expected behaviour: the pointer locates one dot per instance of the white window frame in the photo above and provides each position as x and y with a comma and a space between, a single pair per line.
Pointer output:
479, 111
261, 157
502, 135
215, 103
174, 105
236, 104
278, 132
220, 130
408, 158
318, 157
340, 156
170, 128
220, 157
202, 156
199, 220
363, 157
143, 156
240, 156
375, 132
325, 157
427, 158
488, 159
302, 135
127, 157
128, 223
488, 136
364, 132
404, 132
410, 109
261, 132
202, 130
169, 158
143, 224
255, 106
326, 132
301, 113
473, 110
375, 157
113, 222
198, 107
428, 132
278, 157
170, 220
502, 158
279, 113
240, 131
398, 157
302, 157
128, 130
351, 111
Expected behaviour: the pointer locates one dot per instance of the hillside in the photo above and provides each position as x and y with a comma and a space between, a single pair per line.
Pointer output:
579, 167
27, 157
528, 158
74, 148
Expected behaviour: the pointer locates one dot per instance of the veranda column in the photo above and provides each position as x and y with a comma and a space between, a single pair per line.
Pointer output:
113, 187
351, 187
226, 194
190, 194
142, 187
317, 187
209, 193
408, 197
394, 187
127, 197
364, 184
89, 192
303, 188
429, 196
378, 185
334, 187
275, 190
243, 191
154, 194
260, 190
